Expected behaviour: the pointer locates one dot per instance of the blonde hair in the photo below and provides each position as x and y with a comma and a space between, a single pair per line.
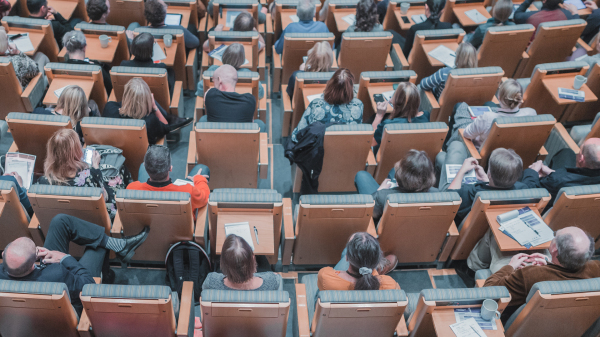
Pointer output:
510, 94
3, 41
466, 56
502, 10
73, 103
63, 157
137, 99
320, 57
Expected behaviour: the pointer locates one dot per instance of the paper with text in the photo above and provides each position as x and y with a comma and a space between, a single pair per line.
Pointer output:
241, 229
444, 55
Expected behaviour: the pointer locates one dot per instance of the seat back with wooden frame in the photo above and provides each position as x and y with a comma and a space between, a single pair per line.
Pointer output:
69, 74
180, 59
426, 41
339, 9
125, 12
221, 7
15, 98
503, 46
287, 8
553, 42
13, 217
31, 133
586, 111
307, 84
93, 31
393, 14
168, 214
156, 78
295, 47
247, 39
40, 33
129, 135
448, 14
475, 224
364, 51
187, 6
557, 308
36, 309
247, 82
375, 82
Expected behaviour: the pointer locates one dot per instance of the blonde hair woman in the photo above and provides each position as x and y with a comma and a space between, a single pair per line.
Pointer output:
25, 68
319, 59
500, 14
466, 57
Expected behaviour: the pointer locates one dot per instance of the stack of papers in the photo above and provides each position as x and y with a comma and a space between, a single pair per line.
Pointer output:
294, 18
572, 94
231, 15
350, 19
475, 16
158, 53
525, 227
418, 18
22, 164
444, 55
467, 328
452, 170
463, 314
217, 53
241, 229
22, 42
313, 97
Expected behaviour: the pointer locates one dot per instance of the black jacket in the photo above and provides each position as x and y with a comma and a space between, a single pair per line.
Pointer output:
560, 178
60, 26
591, 29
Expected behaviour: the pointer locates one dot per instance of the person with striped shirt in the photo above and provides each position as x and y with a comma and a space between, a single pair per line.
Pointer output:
466, 57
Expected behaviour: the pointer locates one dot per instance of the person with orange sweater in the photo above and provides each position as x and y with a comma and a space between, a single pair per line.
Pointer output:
155, 171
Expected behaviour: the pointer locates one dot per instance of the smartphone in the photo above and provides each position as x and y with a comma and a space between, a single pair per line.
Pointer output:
477, 111
405, 19
378, 98
87, 156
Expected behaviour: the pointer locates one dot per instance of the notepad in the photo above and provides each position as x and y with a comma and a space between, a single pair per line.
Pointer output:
313, 97
158, 53
294, 18
467, 328
217, 53
475, 16
350, 19
444, 55
418, 18
23, 42
231, 15
578, 3
241, 229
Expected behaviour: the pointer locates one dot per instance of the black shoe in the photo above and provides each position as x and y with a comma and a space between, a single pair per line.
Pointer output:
108, 277
178, 123
131, 244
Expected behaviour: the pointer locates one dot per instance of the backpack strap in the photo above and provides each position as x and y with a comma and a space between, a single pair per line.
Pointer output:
178, 266
194, 267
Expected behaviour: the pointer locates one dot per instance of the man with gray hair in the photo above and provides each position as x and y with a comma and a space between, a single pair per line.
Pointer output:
305, 13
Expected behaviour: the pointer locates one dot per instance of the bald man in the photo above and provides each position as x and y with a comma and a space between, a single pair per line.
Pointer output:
566, 169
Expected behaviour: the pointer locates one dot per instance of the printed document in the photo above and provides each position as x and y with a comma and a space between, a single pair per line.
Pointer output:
462, 314
158, 53
467, 328
444, 55
22, 164
23, 43
452, 171
241, 229
474, 15
418, 18
350, 19
525, 227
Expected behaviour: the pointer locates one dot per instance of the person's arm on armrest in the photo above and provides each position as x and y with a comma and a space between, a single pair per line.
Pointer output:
201, 190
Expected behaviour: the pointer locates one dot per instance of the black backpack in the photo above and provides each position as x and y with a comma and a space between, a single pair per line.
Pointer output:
187, 261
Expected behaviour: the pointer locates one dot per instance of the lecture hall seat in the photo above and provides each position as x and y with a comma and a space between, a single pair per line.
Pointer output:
13, 217
16, 98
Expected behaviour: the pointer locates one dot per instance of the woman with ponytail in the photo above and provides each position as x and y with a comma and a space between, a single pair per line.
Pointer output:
362, 267
433, 12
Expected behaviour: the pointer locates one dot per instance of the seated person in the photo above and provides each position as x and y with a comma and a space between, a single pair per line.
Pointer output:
155, 174
433, 12
593, 22
39, 9
21, 191
500, 14
466, 57
75, 43
262, 12
25, 67
223, 104
19, 256
367, 19
362, 267
238, 265
306, 13
235, 56
98, 11
405, 103
551, 11
138, 103
337, 105
592, 60
413, 173
142, 48
566, 169
244, 22
319, 59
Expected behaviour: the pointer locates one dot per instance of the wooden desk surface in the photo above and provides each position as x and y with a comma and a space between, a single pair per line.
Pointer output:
443, 318
379, 89
285, 17
431, 46
464, 20
35, 36
169, 52
184, 11
505, 243
312, 90
263, 221
552, 84
95, 50
59, 82
65, 8
339, 14
411, 11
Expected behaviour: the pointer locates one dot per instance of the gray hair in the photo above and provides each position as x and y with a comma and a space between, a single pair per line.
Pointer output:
569, 255
590, 153
157, 162
74, 41
505, 167
305, 10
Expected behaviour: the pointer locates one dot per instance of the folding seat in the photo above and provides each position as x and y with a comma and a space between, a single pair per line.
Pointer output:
336, 11
553, 42
88, 77
40, 33
336, 313
560, 139
188, 10
365, 52
419, 227
426, 41
503, 46
454, 12
157, 80
136, 311
114, 54
235, 152
249, 40
525, 135
475, 224
36, 309
395, 20
125, 12
586, 111
347, 147
67, 8
378, 82
239, 313
473, 86
13, 217
15, 98
31, 133
320, 227
433, 306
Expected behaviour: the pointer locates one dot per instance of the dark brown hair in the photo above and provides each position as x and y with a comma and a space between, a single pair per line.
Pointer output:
415, 172
96, 8
406, 101
363, 251
340, 88
237, 260
142, 47
155, 12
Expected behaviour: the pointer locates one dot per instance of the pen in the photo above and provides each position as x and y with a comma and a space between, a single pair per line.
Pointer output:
256, 234
475, 330
14, 37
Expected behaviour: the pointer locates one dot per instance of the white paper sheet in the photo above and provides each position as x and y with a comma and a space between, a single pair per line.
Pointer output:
452, 170
294, 18
23, 43
467, 328
313, 97
350, 19
241, 229
418, 18
181, 182
59, 91
444, 55
231, 15
578, 3
476, 16
158, 53
22, 164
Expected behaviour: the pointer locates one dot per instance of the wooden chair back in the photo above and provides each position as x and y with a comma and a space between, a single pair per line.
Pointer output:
69, 74
13, 218
125, 12
426, 41
287, 8
586, 111
307, 84
221, 8
364, 51
40, 33
375, 82
503, 46
336, 11
180, 58
156, 78
185, 6
295, 47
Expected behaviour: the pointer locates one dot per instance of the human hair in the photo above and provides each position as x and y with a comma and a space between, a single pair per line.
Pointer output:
340, 88
569, 255
305, 10
157, 162
96, 8
23, 251
435, 9
366, 16
155, 12
406, 101
590, 154
4, 7
505, 167
510, 93
74, 41
466, 56
237, 260
234, 55
552, 4
415, 172
73, 103
137, 99
63, 157
363, 253
3, 41
244, 22
320, 57
502, 10
142, 47
34, 6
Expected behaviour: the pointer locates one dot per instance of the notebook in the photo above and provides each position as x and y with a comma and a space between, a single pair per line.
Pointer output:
241, 229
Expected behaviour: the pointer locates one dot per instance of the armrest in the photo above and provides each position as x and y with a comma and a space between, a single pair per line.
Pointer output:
61, 55
448, 246
371, 229
522, 65
288, 229
389, 63
429, 103
371, 162
302, 308
479, 283
277, 70
33, 94
84, 326
401, 329
469, 144
177, 106
585, 46
117, 227
34, 229
191, 159
200, 226
98, 280
112, 97
287, 112
400, 61
263, 156
185, 325
13, 147
191, 67
276, 59
542, 154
